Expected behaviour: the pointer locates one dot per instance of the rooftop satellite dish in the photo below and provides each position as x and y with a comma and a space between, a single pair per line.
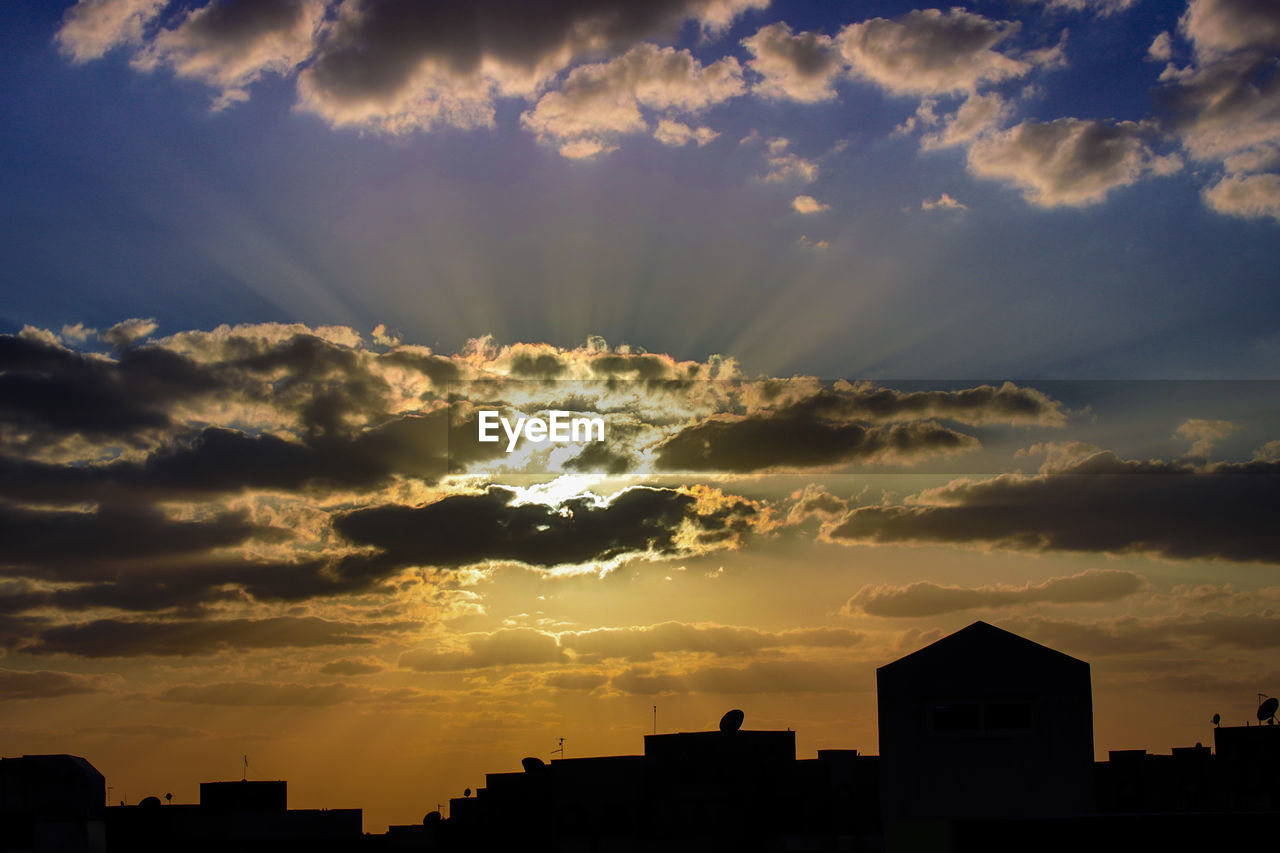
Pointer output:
1217, 720
467, 792
532, 764
168, 798
732, 721
1267, 710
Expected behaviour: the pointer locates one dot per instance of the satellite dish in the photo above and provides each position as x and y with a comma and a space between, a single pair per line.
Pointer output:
430, 817
732, 721
1267, 710
532, 764
1217, 720
150, 803
168, 798
467, 792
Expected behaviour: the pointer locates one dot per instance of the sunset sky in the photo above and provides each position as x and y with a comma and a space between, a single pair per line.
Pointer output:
898, 317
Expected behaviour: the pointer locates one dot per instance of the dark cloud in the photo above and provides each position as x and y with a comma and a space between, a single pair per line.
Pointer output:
55, 537
19, 684
465, 529
792, 439
116, 638
1096, 504
930, 599
48, 392
402, 65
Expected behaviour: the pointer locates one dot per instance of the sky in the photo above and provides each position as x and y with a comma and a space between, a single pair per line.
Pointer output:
896, 316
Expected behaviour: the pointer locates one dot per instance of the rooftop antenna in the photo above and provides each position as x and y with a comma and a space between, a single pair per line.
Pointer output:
655, 719
244, 775
1267, 709
559, 749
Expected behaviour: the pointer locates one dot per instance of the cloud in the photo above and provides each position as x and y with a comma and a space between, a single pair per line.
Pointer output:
773, 676
105, 638
41, 684
508, 647
1068, 161
930, 599
675, 134
1161, 48
1247, 196
1127, 635
942, 202
91, 28
605, 99
762, 443
231, 43
844, 424
399, 67
1101, 8
352, 666
254, 694
462, 530
931, 52
1096, 504
1205, 434
807, 204
128, 332
576, 680
975, 116
1225, 104
643, 642
386, 65
800, 67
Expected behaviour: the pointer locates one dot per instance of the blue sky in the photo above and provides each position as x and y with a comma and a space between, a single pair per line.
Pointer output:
126, 195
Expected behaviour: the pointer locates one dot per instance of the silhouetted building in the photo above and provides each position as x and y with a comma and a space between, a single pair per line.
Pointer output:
51, 803
248, 816
983, 724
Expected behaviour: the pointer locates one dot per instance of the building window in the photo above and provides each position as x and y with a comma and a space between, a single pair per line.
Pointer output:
1007, 715
977, 716
957, 717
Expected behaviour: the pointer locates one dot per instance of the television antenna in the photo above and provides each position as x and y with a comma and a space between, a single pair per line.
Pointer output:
559, 749
1267, 709
244, 775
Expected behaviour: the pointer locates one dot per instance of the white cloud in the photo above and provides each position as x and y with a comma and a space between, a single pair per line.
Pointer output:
674, 133
807, 204
128, 332
801, 67
1246, 196
605, 99
1161, 49
231, 44
942, 202
930, 52
978, 114
1068, 161
91, 28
